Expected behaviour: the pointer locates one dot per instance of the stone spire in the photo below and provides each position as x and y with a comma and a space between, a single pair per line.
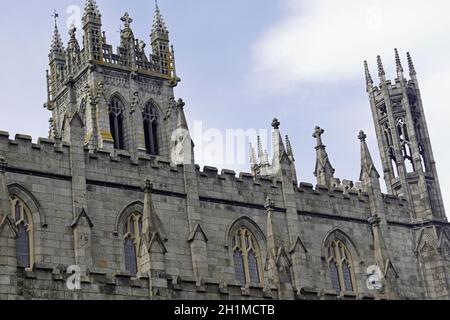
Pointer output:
381, 72
92, 26
289, 149
398, 64
57, 46
159, 25
368, 169
277, 142
369, 80
91, 9
412, 70
323, 171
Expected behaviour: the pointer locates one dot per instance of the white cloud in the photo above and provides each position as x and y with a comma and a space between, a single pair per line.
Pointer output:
324, 42
327, 40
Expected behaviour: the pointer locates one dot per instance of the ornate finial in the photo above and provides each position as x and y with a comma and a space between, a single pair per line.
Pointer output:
148, 185
3, 164
276, 124
369, 79
318, 135
127, 20
398, 62
412, 70
57, 45
381, 72
180, 105
269, 205
55, 15
91, 9
158, 22
362, 136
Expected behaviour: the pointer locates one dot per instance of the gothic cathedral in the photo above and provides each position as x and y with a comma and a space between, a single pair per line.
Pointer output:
114, 194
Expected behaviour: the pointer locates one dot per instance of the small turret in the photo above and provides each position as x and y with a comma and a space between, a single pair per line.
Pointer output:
368, 169
57, 58
412, 69
92, 25
369, 80
324, 170
398, 64
160, 43
381, 72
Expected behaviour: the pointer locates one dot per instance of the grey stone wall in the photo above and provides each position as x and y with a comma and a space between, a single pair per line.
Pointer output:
41, 175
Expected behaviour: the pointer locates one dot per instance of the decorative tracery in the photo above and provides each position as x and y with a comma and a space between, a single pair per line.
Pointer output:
341, 267
247, 258
24, 223
116, 114
151, 122
132, 232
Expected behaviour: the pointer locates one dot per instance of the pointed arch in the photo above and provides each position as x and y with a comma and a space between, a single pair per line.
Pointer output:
133, 207
340, 254
248, 223
117, 117
23, 220
151, 120
338, 234
246, 240
37, 213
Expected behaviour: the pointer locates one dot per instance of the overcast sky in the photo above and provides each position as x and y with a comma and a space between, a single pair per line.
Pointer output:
244, 62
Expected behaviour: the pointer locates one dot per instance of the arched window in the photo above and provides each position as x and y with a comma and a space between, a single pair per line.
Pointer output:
247, 258
24, 243
116, 111
341, 267
405, 144
132, 232
151, 122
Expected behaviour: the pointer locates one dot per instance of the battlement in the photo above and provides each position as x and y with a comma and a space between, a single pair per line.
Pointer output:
52, 283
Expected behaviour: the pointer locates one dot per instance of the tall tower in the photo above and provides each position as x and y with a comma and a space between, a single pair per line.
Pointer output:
92, 26
124, 97
403, 139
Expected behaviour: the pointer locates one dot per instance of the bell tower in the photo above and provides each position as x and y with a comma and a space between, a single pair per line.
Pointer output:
124, 96
405, 147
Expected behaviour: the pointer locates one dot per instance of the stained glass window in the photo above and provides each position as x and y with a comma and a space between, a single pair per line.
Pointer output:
341, 273
132, 237
116, 109
347, 277
253, 268
130, 256
335, 277
23, 221
246, 258
239, 267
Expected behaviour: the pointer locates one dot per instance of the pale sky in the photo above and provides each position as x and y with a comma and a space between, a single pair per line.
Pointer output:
244, 62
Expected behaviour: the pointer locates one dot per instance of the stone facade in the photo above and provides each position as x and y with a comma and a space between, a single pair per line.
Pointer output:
77, 193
